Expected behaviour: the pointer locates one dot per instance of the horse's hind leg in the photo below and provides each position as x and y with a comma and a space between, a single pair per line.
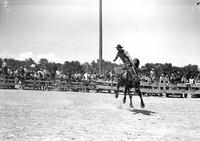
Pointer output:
117, 92
125, 91
130, 97
142, 102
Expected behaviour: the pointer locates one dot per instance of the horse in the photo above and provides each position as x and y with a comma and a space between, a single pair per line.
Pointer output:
127, 80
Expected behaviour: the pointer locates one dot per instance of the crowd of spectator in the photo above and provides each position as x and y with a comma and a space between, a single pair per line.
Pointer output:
174, 79
45, 74
171, 78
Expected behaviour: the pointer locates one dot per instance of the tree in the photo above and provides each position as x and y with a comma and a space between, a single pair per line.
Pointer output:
1, 60
94, 67
147, 68
43, 63
167, 68
72, 66
29, 62
14, 64
191, 70
107, 66
87, 67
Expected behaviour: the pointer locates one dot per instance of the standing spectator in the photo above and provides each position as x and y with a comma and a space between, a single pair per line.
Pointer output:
22, 72
178, 77
57, 74
9, 71
191, 80
93, 76
85, 77
166, 79
152, 75
184, 80
111, 75
85, 81
172, 79
107, 76
162, 78
197, 79
5, 67
76, 76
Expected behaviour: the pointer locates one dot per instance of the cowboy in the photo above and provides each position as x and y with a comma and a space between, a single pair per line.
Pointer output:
123, 55
131, 65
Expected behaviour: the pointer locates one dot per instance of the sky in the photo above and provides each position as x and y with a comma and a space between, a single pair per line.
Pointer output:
155, 31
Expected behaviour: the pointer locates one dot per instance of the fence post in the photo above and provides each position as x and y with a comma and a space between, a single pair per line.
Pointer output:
164, 90
189, 95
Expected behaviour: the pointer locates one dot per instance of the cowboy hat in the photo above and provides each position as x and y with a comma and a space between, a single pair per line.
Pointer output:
119, 46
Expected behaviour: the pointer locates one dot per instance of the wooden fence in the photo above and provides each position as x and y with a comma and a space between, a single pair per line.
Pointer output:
148, 89
7, 82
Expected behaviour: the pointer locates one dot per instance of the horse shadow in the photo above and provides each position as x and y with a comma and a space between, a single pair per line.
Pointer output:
141, 111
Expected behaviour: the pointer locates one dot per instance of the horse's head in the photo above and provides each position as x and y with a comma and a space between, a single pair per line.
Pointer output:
136, 62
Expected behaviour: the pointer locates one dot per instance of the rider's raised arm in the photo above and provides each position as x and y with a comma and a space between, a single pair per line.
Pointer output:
116, 57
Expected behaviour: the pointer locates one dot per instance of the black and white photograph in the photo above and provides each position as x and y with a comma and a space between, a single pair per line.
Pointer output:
99, 70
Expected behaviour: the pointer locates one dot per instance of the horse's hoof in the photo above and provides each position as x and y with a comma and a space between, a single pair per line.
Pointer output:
124, 100
131, 106
142, 105
116, 96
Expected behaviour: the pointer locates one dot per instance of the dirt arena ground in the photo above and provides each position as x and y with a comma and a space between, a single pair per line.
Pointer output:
64, 116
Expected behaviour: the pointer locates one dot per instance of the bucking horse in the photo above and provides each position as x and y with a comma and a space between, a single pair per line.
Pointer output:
129, 81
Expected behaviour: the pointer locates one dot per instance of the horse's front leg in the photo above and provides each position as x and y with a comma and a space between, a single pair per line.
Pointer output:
125, 91
141, 99
117, 92
130, 97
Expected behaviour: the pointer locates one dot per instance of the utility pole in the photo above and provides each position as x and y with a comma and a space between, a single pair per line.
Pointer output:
100, 37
